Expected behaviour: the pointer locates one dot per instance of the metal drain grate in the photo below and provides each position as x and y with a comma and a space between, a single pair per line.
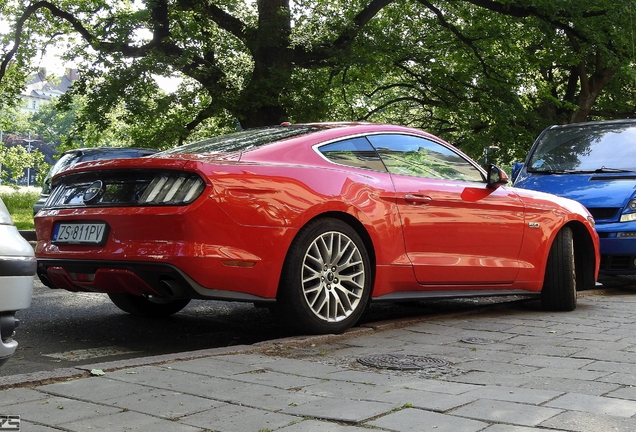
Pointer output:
477, 341
401, 361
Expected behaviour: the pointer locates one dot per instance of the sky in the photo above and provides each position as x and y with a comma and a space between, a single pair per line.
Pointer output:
56, 66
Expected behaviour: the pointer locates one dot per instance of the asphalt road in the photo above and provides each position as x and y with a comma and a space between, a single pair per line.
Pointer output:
63, 329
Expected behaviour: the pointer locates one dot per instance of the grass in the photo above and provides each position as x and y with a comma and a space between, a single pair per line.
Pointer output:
20, 204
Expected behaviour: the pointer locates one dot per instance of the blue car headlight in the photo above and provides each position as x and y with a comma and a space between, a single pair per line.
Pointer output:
631, 207
628, 217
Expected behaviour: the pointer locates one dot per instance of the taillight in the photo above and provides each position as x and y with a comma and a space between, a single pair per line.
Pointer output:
172, 188
124, 188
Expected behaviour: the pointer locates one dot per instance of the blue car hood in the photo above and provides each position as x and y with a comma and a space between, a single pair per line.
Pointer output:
591, 190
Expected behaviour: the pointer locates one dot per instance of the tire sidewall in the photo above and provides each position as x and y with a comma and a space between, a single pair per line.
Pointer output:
559, 286
292, 302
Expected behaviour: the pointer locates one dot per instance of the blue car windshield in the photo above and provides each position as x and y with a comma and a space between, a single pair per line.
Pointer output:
588, 148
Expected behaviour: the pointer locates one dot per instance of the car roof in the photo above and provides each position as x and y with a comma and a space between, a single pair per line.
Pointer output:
618, 122
265, 139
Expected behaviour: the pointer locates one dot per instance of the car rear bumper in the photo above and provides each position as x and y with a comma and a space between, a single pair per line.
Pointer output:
198, 246
16, 266
15, 295
15, 292
17, 270
136, 278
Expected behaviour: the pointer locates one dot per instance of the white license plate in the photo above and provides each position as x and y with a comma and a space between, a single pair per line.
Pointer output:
79, 233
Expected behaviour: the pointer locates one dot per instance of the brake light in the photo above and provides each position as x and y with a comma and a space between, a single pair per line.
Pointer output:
176, 188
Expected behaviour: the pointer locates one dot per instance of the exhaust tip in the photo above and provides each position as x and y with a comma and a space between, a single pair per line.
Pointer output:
171, 288
44, 278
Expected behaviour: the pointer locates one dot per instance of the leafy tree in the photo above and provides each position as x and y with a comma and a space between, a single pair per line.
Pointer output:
58, 124
13, 120
53, 124
478, 72
484, 79
16, 159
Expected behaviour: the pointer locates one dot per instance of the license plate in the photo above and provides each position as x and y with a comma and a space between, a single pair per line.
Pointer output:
80, 233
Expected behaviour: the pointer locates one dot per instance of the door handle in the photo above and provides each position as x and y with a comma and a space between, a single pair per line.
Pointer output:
417, 199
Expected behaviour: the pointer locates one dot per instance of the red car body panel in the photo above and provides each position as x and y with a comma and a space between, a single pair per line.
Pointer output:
231, 242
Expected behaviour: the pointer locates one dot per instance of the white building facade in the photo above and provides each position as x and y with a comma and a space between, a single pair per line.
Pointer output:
42, 88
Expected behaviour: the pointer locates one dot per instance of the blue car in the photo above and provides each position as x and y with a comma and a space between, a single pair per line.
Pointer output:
595, 164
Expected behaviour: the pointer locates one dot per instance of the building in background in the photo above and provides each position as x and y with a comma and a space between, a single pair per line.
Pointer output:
41, 89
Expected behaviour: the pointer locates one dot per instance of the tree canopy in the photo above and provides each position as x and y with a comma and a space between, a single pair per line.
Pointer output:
476, 72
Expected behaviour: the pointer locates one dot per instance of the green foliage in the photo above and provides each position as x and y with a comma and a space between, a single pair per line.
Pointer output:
14, 160
16, 200
14, 120
55, 125
478, 73
20, 205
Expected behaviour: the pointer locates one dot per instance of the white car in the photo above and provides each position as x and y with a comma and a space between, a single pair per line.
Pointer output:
17, 270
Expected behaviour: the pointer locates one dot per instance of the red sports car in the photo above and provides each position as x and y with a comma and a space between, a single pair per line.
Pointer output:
315, 220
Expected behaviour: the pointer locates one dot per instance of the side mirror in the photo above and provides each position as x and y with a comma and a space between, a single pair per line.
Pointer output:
496, 177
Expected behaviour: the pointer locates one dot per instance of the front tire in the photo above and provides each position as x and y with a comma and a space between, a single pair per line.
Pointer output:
559, 285
326, 279
141, 306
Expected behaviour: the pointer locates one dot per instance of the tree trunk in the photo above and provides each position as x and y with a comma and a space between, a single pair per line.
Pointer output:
591, 88
269, 45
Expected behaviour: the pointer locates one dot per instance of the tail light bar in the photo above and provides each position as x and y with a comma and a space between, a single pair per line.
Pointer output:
172, 189
125, 188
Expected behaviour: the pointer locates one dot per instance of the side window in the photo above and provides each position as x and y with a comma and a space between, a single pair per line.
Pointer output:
355, 152
420, 157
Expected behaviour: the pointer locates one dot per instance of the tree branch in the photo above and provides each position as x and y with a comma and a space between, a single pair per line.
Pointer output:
456, 32
199, 68
393, 102
17, 38
528, 11
343, 42
218, 16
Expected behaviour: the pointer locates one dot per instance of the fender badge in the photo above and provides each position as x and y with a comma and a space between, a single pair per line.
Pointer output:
534, 224
93, 192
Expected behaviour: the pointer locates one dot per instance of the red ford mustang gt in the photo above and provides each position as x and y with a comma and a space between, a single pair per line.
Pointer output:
315, 220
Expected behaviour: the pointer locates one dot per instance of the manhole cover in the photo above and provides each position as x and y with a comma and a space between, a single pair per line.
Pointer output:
477, 341
401, 361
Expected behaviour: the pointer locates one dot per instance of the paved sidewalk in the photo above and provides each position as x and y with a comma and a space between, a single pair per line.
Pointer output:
510, 368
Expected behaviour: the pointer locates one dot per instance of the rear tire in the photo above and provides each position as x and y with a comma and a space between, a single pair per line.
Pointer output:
326, 279
559, 285
141, 306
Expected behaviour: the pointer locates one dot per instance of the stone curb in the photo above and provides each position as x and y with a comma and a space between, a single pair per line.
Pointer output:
46, 377
82, 371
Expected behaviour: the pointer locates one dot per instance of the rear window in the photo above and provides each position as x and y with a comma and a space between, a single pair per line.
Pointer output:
243, 140
67, 159
596, 148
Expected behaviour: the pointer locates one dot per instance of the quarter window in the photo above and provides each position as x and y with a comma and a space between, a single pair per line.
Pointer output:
355, 152
420, 157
